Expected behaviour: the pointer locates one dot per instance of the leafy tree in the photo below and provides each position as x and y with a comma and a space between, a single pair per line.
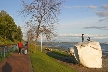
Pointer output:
8, 28
7, 25
19, 34
42, 15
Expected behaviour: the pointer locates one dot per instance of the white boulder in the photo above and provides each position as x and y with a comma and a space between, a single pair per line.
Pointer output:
88, 54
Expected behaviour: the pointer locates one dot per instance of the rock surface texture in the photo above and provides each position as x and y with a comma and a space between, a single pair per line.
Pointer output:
88, 54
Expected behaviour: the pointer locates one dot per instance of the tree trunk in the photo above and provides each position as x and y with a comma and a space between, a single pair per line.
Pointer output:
5, 37
35, 43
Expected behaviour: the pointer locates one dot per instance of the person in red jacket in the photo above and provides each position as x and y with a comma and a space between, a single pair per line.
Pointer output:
20, 46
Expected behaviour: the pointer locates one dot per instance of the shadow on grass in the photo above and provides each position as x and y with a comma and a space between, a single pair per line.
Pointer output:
61, 57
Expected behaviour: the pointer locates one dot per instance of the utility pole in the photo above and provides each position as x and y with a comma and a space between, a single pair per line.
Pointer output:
41, 42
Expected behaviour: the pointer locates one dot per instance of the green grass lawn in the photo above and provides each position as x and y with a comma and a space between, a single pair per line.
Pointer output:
61, 53
43, 63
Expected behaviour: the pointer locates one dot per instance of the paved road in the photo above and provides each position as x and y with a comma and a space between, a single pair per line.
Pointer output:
16, 63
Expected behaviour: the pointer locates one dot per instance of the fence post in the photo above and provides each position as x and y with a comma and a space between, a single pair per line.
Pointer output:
0, 53
14, 48
4, 52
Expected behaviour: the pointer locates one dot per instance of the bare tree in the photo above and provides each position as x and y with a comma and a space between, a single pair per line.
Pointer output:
30, 36
42, 16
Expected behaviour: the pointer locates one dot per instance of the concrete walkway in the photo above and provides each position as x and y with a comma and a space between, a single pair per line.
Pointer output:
16, 63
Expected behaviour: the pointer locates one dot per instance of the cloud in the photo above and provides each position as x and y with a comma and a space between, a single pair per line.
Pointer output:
105, 6
68, 7
100, 20
99, 37
70, 35
102, 13
96, 27
77, 37
91, 7
76, 6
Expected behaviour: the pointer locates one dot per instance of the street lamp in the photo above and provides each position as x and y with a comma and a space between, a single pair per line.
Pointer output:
41, 42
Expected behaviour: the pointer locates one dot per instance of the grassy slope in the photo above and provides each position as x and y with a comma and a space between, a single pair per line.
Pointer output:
43, 63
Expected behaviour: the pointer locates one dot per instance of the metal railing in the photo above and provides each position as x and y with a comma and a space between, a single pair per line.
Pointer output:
5, 50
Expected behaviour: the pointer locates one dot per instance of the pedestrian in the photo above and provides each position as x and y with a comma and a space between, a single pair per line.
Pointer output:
82, 37
88, 39
20, 46
26, 48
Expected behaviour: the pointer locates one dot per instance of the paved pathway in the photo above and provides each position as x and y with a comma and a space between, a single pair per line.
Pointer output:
16, 63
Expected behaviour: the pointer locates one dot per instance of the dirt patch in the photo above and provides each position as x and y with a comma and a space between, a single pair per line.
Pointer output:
16, 63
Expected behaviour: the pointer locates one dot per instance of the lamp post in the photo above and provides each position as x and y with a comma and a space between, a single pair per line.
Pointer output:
41, 42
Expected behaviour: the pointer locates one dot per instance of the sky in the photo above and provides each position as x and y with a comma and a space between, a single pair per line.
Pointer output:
88, 17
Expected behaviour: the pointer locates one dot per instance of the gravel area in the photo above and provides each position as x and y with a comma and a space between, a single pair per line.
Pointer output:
81, 68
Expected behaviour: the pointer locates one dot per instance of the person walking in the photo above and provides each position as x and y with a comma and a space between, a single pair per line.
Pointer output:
26, 48
20, 46
88, 39
82, 37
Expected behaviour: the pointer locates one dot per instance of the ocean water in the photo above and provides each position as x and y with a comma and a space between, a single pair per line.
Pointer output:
66, 45
104, 47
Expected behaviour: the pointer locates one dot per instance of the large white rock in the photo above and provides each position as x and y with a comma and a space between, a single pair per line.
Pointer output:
88, 54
